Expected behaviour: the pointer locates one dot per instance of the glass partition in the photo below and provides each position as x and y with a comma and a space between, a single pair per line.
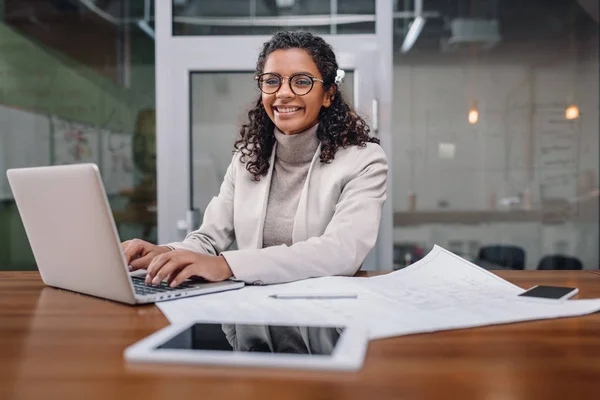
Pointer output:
496, 135
263, 17
77, 85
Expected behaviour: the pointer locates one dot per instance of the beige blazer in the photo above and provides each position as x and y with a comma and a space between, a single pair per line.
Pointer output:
335, 227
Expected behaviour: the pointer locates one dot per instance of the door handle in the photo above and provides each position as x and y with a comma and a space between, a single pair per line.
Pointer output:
191, 221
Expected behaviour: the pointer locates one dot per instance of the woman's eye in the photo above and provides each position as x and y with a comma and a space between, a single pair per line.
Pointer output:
302, 82
271, 82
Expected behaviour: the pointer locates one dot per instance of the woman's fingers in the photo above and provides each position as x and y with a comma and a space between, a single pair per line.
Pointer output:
163, 265
132, 249
141, 263
176, 267
185, 273
172, 267
155, 265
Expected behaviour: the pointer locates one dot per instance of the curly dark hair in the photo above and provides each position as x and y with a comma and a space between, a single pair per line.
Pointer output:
339, 125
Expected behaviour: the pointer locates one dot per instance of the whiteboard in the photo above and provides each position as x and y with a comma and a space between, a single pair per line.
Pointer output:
557, 148
75, 142
24, 142
117, 161
28, 139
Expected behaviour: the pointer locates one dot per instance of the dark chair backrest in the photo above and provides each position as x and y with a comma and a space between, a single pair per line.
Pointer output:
559, 262
512, 257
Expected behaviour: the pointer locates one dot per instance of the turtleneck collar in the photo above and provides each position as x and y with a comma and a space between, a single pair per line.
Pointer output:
298, 148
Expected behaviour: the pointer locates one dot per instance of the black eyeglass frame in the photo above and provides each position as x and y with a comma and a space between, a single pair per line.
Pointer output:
289, 79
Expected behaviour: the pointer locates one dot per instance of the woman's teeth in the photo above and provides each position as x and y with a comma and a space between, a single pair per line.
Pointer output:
286, 109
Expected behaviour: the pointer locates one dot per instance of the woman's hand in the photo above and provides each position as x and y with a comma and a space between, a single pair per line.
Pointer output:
139, 254
179, 265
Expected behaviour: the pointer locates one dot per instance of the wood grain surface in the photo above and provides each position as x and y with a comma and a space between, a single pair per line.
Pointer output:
60, 345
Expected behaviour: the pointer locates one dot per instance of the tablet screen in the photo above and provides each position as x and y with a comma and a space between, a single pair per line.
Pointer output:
256, 338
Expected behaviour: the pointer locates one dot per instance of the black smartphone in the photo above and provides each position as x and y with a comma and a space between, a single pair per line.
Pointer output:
550, 292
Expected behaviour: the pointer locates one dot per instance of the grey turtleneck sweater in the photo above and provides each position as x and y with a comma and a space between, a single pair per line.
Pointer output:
293, 156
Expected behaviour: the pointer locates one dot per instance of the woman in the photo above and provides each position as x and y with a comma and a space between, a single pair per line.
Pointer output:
304, 191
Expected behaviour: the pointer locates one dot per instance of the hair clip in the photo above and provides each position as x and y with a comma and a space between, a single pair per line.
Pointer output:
339, 77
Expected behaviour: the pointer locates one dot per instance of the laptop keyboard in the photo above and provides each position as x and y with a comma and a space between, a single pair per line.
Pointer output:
141, 288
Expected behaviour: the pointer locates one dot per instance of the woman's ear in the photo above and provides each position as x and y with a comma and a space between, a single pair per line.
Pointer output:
329, 96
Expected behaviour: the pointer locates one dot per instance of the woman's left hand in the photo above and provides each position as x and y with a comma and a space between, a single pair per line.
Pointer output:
178, 265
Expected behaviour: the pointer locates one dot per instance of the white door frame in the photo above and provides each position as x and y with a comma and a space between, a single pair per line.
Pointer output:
178, 56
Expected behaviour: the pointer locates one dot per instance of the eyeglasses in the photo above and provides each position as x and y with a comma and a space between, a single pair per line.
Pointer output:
300, 84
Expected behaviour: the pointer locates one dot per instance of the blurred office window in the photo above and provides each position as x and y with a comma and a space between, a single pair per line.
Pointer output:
263, 17
77, 85
496, 129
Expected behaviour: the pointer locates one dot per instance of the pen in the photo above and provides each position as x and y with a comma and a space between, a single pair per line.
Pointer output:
315, 296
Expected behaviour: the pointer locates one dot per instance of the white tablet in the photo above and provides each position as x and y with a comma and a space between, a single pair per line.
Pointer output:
271, 346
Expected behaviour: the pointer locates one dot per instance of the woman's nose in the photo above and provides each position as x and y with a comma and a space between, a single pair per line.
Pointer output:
285, 92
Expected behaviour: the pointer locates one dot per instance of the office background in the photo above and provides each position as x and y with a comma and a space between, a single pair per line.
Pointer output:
494, 122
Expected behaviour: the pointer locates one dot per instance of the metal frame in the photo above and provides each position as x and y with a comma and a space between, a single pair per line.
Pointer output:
178, 56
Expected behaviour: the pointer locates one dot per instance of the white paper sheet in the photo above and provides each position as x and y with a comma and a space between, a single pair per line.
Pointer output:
440, 292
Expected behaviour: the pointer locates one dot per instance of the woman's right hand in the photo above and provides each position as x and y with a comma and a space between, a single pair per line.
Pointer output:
139, 253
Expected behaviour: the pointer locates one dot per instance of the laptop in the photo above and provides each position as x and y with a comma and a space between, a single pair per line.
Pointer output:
74, 239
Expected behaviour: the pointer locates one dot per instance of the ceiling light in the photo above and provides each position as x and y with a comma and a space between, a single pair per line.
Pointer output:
473, 114
572, 112
285, 3
413, 33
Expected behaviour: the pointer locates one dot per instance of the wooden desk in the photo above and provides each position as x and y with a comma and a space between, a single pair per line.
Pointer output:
58, 345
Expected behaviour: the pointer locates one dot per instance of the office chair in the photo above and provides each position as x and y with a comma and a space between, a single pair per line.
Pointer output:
407, 253
559, 262
512, 257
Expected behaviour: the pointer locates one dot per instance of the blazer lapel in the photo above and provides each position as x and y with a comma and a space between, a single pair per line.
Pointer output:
300, 229
262, 189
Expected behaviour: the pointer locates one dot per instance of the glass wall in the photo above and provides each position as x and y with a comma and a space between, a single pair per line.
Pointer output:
77, 85
263, 17
495, 115
496, 134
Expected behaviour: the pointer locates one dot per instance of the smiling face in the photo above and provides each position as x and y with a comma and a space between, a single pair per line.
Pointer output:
289, 112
